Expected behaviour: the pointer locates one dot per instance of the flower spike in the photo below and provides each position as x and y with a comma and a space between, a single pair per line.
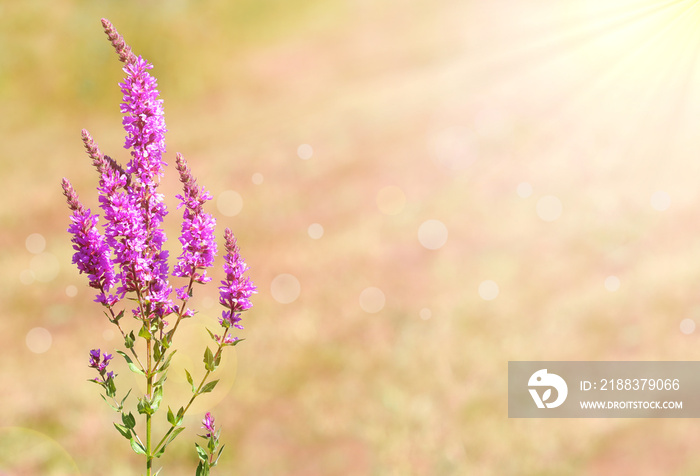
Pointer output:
197, 236
117, 40
237, 289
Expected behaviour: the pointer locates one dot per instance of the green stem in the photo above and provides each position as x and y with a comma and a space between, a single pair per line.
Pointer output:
149, 391
196, 393
179, 318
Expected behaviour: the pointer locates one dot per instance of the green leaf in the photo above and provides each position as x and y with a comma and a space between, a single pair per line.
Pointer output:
217, 359
218, 456
160, 452
170, 439
166, 363
211, 334
201, 452
110, 403
116, 318
110, 388
131, 364
126, 432
208, 387
137, 447
124, 399
209, 360
173, 435
189, 379
144, 407
162, 379
144, 332
129, 340
236, 342
176, 432
157, 397
175, 420
129, 420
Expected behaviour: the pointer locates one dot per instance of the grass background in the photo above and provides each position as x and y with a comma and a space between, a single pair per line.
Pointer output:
456, 103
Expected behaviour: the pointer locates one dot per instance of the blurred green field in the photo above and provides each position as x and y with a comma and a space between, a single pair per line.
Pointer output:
556, 142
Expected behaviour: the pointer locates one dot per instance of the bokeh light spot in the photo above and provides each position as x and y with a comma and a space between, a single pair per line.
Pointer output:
38, 340
425, 314
372, 300
315, 231
660, 201
612, 283
229, 203
549, 208
432, 234
257, 178
391, 200
488, 290
28, 452
35, 243
285, 288
71, 291
687, 326
44, 267
524, 190
305, 151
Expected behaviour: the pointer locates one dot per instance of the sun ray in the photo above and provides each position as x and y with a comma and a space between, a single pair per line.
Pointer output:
625, 73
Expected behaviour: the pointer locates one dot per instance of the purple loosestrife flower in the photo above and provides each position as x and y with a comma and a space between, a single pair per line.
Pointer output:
228, 339
208, 423
197, 235
105, 361
94, 358
101, 365
108, 168
120, 212
135, 215
124, 231
143, 121
92, 255
237, 289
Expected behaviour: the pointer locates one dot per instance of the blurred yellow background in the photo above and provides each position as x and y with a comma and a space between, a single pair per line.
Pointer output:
424, 190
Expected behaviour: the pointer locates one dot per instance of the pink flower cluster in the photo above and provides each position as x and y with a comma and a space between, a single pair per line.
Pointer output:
129, 254
236, 290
